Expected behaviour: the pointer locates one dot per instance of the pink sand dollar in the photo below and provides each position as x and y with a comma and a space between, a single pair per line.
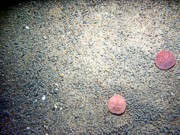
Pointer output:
165, 60
117, 104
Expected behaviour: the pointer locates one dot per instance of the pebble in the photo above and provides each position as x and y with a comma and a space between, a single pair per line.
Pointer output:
43, 97
27, 128
27, 27
172, 93
55, 106
56, 84
61, 75
45, 37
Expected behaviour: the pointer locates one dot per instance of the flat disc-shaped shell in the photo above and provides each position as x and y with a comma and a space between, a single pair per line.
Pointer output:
165, 60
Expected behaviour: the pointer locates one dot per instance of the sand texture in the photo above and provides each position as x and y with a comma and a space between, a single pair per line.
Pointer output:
62, 60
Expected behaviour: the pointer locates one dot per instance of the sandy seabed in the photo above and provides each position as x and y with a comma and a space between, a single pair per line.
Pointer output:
62, 60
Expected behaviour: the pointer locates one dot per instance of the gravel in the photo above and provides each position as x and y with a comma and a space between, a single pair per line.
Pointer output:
62, 60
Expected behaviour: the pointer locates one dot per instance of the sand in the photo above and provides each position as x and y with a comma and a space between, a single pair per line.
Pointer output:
62, 60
